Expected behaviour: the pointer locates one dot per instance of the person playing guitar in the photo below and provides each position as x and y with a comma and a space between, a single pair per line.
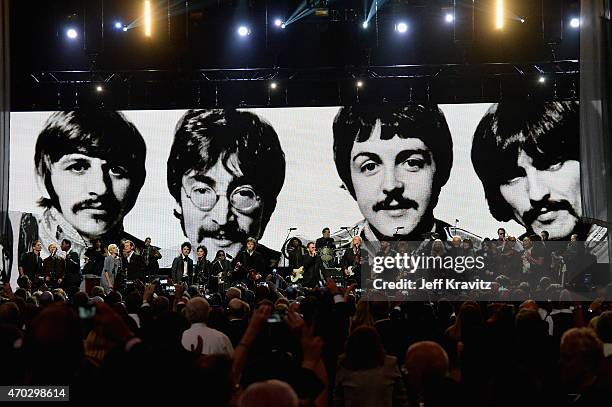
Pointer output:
248, 265
351, 261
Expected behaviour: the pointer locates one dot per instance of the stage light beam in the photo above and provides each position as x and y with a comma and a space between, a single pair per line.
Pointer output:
278, 22
449, 18
499, 14
99, 88
147, 18
72, 33
364, 25
118, 25
359, 84
541, 79
273, 85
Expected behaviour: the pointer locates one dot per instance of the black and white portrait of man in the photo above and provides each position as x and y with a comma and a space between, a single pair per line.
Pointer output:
225, 171
90, 167
528, 159
394, 161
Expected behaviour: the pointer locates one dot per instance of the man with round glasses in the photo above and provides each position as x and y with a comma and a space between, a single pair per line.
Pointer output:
225, 171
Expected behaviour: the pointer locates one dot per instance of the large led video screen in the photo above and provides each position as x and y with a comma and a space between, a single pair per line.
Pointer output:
217, 177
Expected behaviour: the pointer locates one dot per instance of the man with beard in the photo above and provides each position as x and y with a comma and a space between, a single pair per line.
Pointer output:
225, 171
394, 161
249, 264
90, 167
528, 159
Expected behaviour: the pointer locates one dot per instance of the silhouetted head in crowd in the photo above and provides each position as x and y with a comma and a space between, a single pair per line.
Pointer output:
604, 327
426, 365
269, 393
364, 349
197, 310
581, 358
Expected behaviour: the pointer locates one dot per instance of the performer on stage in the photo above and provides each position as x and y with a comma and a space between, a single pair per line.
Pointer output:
326, 240
296, 252
248, 264
313, 267
220, 270
351, 261
201, 268
182, 265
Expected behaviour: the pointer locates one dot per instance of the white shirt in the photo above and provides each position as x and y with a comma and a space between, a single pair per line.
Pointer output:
215, 342
185, 274
129, 256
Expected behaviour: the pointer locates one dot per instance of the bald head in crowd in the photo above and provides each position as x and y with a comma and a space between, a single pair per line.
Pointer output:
581, 358
269, 393
197, 310
237, 308
426, 361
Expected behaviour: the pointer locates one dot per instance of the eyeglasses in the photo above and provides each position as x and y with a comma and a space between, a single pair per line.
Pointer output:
204, 197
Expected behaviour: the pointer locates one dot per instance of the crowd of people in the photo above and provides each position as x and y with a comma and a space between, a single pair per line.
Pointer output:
254, 342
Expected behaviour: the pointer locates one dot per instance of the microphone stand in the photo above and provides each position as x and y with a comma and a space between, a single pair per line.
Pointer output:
286, 243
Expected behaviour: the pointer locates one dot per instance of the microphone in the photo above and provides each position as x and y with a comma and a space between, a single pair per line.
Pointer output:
292, 228
399, 228
345, 227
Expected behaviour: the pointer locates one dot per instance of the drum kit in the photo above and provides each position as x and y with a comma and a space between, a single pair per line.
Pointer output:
330, 256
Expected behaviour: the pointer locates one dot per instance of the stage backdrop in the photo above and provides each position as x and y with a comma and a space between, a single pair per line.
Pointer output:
311, 197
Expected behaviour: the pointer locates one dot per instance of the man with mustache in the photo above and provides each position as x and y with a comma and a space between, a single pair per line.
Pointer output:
394, 162
225, 171
527, 156
90, 167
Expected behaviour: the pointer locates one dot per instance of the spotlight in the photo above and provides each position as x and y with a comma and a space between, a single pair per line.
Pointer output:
118, 25
359, 84
449, 18
364, 25
499, 14
147, 18
278, 22
71, 33
99, 88
243, 31
575, 22
125, 28
283, 25
401, 27
541, 79
522, 20
273, 85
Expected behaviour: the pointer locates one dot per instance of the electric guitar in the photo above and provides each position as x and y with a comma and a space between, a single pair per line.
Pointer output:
297, 274
251, 274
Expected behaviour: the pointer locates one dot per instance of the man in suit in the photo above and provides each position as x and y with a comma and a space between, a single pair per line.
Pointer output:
313, 267
30, 264
72, 277
182, 265
54, 267
133, 263
248, 260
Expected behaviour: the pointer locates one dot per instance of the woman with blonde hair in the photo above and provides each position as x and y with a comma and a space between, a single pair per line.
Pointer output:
112, 264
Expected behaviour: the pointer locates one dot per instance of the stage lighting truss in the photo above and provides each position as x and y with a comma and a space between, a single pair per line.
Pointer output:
565, 73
